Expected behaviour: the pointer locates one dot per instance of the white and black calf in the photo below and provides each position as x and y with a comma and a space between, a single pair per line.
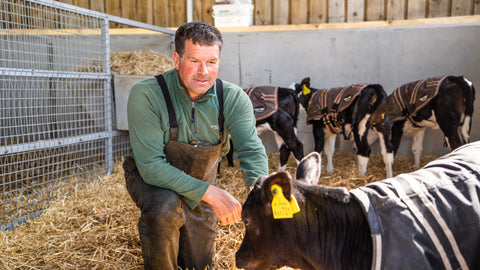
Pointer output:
282, 121
427, 219
356, 109
444, 103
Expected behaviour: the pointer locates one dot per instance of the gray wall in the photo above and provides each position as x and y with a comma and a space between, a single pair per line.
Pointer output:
390, 56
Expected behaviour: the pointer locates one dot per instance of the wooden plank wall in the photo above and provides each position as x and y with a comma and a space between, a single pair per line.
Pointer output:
172, 13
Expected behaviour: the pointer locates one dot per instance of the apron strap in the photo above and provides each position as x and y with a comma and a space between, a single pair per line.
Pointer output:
221, 117
171, 112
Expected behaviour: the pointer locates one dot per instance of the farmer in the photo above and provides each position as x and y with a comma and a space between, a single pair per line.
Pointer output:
179, 126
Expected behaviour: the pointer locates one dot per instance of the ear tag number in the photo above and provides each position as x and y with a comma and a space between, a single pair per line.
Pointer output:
281, 207
306, 90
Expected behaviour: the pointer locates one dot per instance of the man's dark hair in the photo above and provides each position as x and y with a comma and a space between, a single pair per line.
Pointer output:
200, 33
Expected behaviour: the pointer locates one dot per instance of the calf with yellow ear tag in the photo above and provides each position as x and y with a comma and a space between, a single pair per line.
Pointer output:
275, 209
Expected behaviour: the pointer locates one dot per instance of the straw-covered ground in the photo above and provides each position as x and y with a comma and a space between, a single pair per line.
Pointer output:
94, 227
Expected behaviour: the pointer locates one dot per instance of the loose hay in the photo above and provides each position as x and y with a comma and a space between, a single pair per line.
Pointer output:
132, 62
96, 227
140, 63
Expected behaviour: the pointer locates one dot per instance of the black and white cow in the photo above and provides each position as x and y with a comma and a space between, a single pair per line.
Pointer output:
427, 219
281, 120
444, 103
353, 109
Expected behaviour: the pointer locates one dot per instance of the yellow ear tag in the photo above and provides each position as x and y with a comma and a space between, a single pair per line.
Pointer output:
306, 90
294, 205
281, 207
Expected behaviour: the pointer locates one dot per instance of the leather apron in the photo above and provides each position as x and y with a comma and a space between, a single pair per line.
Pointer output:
198, 159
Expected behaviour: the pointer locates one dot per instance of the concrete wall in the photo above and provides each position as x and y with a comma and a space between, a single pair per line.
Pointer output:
390, 56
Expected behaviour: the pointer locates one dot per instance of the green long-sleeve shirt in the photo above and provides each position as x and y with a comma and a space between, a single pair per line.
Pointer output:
198, 121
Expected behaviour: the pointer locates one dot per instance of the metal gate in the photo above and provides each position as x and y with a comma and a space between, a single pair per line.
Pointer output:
56, 104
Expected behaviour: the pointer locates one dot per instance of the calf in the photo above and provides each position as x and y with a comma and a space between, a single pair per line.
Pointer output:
276, 109
427, 219
444, 103
354, 109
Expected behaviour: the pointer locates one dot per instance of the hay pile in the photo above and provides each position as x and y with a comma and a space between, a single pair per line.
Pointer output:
140, 63
95, 227
132, 62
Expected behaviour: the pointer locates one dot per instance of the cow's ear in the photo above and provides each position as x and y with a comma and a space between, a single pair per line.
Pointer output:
309, 169
283, 179
306, 82
298, 88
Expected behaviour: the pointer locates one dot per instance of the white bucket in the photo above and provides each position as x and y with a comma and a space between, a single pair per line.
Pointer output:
233, 15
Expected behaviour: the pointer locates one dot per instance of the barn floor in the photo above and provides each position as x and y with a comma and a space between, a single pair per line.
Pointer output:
95, 227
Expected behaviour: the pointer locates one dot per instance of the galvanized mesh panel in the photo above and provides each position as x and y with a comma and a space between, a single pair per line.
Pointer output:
33, 108
31, 179
39, 37
55, 107
121, 145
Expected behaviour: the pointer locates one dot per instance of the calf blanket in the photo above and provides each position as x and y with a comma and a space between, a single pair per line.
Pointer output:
325, 104
429, 218
264, 100
409, 98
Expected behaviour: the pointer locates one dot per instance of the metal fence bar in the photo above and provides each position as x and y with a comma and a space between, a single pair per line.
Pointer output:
41, 145
107, 98
50, 74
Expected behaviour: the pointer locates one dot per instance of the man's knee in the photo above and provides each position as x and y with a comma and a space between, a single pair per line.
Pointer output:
163, 209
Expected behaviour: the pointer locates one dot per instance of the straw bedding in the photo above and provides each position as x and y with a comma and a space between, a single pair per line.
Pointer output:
139, 62
94, 227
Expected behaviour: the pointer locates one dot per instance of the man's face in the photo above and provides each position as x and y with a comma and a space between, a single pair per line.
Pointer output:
197, 68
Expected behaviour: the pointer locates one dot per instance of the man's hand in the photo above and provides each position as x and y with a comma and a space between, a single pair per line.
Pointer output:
227, 208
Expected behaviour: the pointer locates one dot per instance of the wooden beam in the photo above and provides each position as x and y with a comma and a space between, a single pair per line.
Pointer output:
128, 9
208, 11
315, 27
438, 8
82, 3
145, 11
395, 9
280, 12
375, 10
97, 5
355, 10
161, 13
178, 12
356, 25
298, 11
318, 11
417, 9
262, 12
112, 7
336, 11
462, 7
197, 10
